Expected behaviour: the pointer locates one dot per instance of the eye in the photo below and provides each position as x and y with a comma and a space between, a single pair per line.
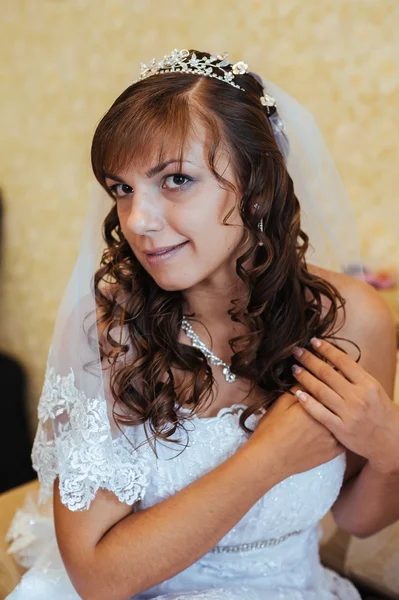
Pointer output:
177, 181
119, 190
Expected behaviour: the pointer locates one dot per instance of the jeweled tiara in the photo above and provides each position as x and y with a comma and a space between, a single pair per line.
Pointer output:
181, 61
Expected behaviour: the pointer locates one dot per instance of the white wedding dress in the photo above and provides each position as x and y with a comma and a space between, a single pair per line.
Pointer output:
271, 554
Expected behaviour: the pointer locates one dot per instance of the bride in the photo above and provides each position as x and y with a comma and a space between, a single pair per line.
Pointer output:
200, 414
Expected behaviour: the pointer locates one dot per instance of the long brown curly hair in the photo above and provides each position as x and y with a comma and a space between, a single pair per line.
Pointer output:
285, 305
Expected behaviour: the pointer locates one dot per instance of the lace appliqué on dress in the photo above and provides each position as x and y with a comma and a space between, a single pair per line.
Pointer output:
74, 441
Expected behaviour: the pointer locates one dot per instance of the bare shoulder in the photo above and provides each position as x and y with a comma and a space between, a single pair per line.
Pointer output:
368, 319
357, 293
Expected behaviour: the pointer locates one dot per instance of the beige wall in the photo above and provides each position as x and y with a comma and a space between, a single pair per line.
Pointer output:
64, 61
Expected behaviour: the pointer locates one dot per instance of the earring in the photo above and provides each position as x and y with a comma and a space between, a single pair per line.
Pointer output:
260, 224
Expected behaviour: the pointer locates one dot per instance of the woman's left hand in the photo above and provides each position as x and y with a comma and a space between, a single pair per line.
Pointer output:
350, 403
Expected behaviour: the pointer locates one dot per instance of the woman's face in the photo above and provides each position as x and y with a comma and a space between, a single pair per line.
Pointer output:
173, 220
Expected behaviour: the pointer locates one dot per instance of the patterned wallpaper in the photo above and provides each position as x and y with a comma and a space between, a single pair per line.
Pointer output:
64, 61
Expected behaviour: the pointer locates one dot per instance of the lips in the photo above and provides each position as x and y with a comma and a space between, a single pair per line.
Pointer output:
165, 254
162, 250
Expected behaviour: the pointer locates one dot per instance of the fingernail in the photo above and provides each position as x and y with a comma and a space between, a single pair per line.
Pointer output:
297, 351
296, 369
301, 395
315, 342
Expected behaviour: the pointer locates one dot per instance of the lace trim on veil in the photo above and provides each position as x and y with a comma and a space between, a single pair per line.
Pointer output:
74, 441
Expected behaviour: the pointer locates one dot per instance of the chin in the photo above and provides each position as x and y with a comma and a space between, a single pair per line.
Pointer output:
175, 283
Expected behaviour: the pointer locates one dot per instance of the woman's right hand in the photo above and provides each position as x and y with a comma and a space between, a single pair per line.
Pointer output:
300, 442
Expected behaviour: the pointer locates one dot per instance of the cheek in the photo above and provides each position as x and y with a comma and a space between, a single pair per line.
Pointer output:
197, 222
211, 237
214, 207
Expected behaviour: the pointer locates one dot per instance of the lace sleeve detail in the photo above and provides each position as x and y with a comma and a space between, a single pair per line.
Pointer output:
74, 442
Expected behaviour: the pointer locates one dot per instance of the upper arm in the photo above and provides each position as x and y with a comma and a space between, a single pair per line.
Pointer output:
78, 532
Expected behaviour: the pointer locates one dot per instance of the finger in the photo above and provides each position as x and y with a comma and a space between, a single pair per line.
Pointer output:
323, 371
344, 363
296, 388
290, 396
319, 412
319, 390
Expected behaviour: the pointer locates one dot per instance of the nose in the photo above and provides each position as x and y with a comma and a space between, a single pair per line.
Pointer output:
144, 217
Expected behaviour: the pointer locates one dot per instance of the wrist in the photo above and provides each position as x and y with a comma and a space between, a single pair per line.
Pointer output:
264, 461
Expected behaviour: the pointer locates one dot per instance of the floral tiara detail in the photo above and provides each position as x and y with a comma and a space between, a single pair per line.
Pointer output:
181, 61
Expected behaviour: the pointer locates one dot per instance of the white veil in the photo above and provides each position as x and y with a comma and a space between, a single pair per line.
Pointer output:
76, 439
326, 213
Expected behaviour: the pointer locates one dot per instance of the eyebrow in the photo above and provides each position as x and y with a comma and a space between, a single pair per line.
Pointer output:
151, 172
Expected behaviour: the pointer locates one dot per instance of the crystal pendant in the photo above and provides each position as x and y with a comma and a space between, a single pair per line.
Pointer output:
228, 375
